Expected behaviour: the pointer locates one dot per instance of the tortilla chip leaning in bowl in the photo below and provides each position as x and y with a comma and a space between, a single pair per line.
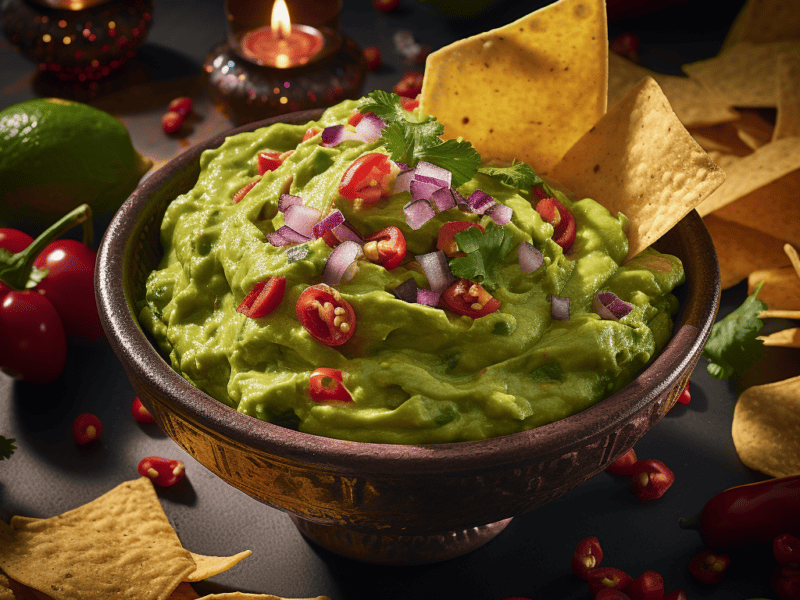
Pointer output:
781, 286
787, 122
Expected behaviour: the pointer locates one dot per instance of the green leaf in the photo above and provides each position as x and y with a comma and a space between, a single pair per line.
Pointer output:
7, 447
733, 346
382, 104
519, 175
458, 157
485, 254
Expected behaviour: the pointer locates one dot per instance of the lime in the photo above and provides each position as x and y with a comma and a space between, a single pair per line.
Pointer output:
56, 154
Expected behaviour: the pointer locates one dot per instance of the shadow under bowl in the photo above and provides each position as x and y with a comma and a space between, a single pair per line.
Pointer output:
384, 503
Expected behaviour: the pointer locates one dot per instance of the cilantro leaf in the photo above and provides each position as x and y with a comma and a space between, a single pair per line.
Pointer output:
7, 447
519, 175
485, 254
382, 104
458, 157
732, 345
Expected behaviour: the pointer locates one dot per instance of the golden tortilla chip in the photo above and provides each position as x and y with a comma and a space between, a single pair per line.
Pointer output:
184, 592
208, 566
639, 160
786, 338
693, 104
741, 250
781, 289
752, 128
119, 546
779, 314
723, 138
244, 596
763, 21
526, 91
766, 427
787, 123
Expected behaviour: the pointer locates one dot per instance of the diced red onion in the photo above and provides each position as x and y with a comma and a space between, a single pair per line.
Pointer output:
276, 239
334, 219
418, 213
479, 201
530, 258
407, 291
286, 235
287, 200
369, 128
559, 308
338, 262
302, 219
500, 213
346, 232
436, 270
609, 306
421, 190
428, 297
403, 181
336, 134
443, 199
430, 173
461, 202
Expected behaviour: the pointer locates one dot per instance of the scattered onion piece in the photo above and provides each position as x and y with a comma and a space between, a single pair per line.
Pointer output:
422, 190
287, 200
530, 258
436, 270
500, 213
334, 219
418, 213
444, 199
559, 308
339, 261
430, 173
428, 297
609, 306
346, 232
403, 181
407, 291
285, 235
369, 128
302, 219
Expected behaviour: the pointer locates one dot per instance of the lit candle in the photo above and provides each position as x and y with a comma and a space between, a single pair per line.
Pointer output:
282, 44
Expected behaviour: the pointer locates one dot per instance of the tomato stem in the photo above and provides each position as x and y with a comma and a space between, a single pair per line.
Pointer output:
16, 270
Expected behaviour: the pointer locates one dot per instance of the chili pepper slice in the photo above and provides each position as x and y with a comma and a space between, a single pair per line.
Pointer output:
709, 567
611, 594
162, 471
140, 413
624, 464
647, 586
242, 191
785, 585
386, 247
650, 479
685, 396
786, 549
86, 428
447, 241
587, 556
471, 299
263, 298
326, 316
676, 595
326, 384
367, 178
607, 577
555, 213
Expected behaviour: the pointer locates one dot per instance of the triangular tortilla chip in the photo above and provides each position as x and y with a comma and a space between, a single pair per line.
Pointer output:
526, 91
787, 122
752, 128
208, 566
786, 338
764, 21
639, 160
781, 289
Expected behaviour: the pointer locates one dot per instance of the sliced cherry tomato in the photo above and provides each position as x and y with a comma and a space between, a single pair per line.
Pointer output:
355, 118
709, 567
785, 583
555, 213
386, 247
162, 471
69, 286
587, 556
263, 298
86, 428
171, 122
686, 395
327, 316
140, 413
242, 191
624, 464
467, 298
367, 178
447, 241
269, 160
326, 384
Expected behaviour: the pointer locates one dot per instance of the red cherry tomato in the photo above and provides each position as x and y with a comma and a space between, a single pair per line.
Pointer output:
263, 298
447, 241
386, 247
467, 298
650, 479
172, 122
555, 213
69, 286
162, 471
33, 347
182, 106
587, 556
373, 57
140, 413
86, 428
409, 104
311, 132
326, 384
327, 316
709, 566
367, 177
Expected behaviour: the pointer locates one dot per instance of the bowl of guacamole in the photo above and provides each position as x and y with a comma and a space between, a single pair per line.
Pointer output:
380, 332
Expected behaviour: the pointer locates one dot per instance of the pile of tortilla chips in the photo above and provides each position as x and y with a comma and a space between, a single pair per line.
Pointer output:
118, 546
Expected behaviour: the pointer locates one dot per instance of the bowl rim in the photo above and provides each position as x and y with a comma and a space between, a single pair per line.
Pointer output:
141, 360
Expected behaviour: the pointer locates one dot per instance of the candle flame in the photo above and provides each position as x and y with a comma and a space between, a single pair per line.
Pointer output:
280, 23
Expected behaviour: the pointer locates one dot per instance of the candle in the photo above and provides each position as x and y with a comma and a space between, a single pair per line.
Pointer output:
282, 44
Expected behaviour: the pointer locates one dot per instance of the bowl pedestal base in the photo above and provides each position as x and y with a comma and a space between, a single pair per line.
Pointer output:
382, 549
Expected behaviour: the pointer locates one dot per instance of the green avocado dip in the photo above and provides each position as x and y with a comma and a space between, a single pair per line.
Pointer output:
506, 346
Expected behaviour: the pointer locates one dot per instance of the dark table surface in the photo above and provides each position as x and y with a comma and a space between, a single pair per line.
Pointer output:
49, 474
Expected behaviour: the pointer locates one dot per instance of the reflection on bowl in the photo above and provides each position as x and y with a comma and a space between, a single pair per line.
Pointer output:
381, 503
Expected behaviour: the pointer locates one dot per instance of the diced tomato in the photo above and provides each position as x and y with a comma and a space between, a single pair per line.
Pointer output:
410, 85
263, 298
386, 247
555, 213
326, 316
269, 160
369, 177
355, 118
467, 298
447, 241
326, 384
409, 104
311, 132
242, 191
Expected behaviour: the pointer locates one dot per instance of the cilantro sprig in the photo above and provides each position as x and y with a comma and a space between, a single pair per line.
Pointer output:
733, 345
485, 254
519, 175
410, 141
7, 447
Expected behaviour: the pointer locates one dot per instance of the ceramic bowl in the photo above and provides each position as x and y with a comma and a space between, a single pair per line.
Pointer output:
382, 503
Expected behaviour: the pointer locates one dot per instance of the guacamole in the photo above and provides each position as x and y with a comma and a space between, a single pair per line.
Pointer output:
495, 356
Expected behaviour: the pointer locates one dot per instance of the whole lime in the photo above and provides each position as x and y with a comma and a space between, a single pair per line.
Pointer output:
56, 154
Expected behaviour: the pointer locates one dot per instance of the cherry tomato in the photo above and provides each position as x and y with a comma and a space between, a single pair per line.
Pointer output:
367, 177
607, 577
327, 316
555, 213
627, 45
467, 298
182, 106
140, 413
34, 346
709, 566
263, 298
14, 241
172, 122
242, 191
447, 241
162, 471
386, 247
326, 384
410, 85
86, 428
409, 104
373, 56
647, 586
69, 286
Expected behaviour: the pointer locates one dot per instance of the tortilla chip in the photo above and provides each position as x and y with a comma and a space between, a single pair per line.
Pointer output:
744, 75
761, 168
786, 338
787, 123
763, 21
779, 314
208, 566
119, 545
742, 250
752, 128
526, 91
640, 161
693, 104
243, 596
184, 592
723, 138
766, 427
781, 289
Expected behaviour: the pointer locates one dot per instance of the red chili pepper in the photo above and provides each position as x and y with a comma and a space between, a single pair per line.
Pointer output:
587, 556
368, 177
172, 122
140, 413
709, 567
326, 316
786, 583
607, 577
242, 191
611, 594
555, 213
182, 106
263, 298
326, 384
750, 514
86, 428
647, 586
650, 479
624, 464
786, 549
162, 471
676, 595
468, 298
373, 57
386, 247
446, 241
